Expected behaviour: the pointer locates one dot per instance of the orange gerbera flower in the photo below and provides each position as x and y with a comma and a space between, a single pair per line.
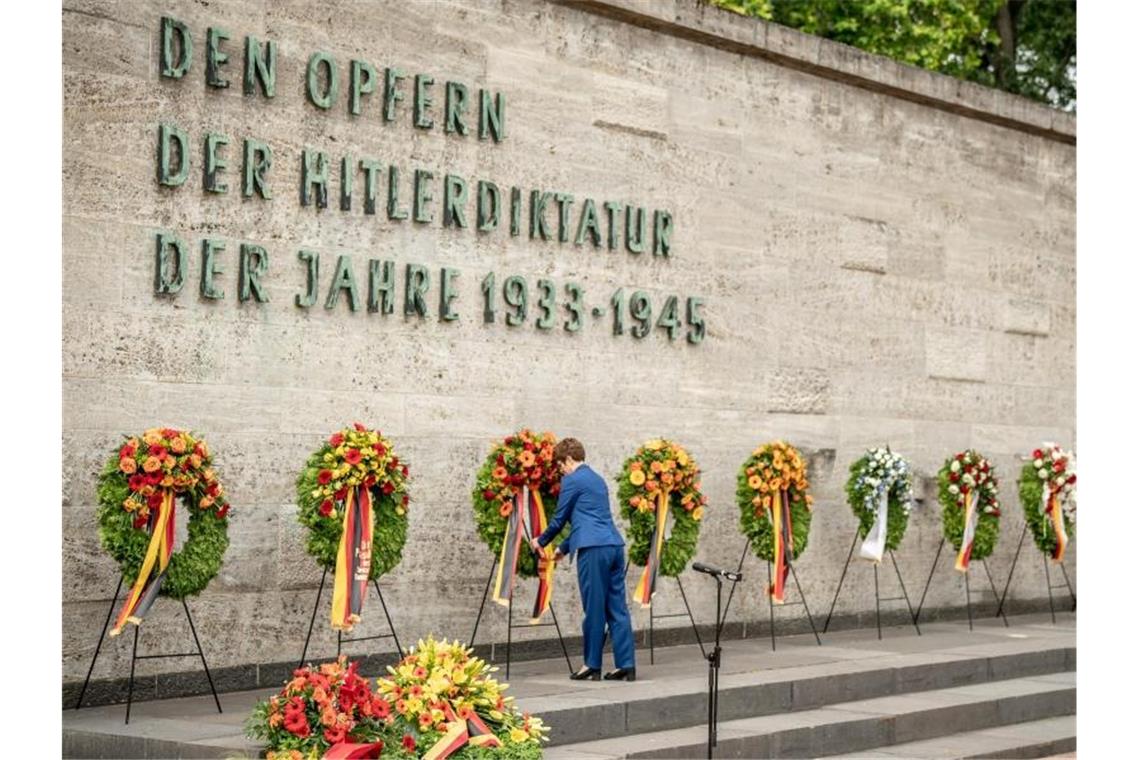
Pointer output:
499, 473
636, 477
526, 459
655, 466
755, 482
128, 465
151, 464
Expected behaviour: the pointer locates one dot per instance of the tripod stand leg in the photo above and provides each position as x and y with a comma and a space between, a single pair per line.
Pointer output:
1008, 580
201, 655
803, 598
1049, 586
993, 589
99, 643
827, 623
131, 682
918, 613
771, 609
689, 610
313, 619
878, 620
906, 598
483, 603
392, 628
1073, 594
561, 640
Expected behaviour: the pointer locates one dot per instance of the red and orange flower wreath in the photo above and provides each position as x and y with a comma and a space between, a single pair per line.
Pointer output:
352, 496
138, 492
660, 478
515, 494
775, 507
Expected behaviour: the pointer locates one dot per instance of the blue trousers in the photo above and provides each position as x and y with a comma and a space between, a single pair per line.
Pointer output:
601, 581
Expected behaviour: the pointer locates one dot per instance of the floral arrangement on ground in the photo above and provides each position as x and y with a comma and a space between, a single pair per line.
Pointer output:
1051, 472
164, 463
772, 469
880, 471
964, 473
351, 458
435, 693
523, 459
656, 468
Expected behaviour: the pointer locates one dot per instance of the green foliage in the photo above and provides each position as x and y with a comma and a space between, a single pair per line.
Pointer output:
898, 500
191, 568
1029, 488
954, 515
960, 38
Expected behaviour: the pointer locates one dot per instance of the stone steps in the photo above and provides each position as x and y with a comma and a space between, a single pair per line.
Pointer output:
1036, 738
853, 726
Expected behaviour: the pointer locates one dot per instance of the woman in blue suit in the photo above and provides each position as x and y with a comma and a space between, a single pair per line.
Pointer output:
584, 502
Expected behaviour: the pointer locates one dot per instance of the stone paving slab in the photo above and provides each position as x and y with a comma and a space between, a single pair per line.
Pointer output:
800, 675
1029, 739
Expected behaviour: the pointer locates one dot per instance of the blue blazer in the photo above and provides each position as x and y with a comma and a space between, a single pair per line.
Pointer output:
584, 501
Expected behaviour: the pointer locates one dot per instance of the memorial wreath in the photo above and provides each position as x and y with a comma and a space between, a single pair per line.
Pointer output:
775, 507
139, 488
352, 496
1047, 488
968, 493
880, 493
660, 478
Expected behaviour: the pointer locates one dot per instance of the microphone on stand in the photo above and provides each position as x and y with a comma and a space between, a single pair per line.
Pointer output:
701, 567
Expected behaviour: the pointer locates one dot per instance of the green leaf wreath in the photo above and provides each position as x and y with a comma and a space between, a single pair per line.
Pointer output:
1053, 466
969, 470
771, 468
131, 487
525, 458
876, 470
353, 457
655, 466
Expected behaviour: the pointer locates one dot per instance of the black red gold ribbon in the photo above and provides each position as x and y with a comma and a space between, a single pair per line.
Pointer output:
527, 518
351, 751
781, 517
962, 563
1051, 506
545, 558
161, 546
460, 732
353, 560
647, 583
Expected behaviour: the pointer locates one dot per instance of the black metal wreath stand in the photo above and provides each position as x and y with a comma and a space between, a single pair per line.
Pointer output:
969, 598
1048, 580
878, 600
340, 640
771, 604
687, 613
135, 656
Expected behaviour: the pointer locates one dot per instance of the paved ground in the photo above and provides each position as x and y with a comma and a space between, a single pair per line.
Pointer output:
543, 687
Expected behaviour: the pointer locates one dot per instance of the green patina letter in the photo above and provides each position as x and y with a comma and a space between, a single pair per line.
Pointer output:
214, 164
169, 271
454, 201
257, 160
662, 231
172, 28
634, 243
447, 294
588, 224
422, 102
167, 175
456, 105
260, 69
394, 210
516, 211
254, 264
421, 196
312, 81
415, 288
312, 263
487, 199
362, 80
347, 172
371, 170
314, 171
392, 79
215, 58
210, 269
563, 200
492, 116
538, 201
343, 279
611, 222
381, 286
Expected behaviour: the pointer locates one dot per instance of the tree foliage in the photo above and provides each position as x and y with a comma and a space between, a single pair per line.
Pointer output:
1028, 47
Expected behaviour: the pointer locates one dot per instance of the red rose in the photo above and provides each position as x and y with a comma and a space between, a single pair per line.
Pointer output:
370, 481
154, 478
379, 449
404, 471
225, 510
508, 440
409, 743
1072, 479
212, 489
336, 439
359, 427
140, 522
352, 456
395, 462
488, 494
157, 450
324, 477
500, 461
405, 502
959, 457
154, 501
1059, 465
326, 508
1037, 454
136, 482
528, 446
341, 495
126, 451
953, 477
387, 488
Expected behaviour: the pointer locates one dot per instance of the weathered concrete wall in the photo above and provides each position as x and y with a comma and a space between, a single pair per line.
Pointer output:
878, 267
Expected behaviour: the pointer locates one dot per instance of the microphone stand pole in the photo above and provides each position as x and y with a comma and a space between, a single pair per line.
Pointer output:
714, 668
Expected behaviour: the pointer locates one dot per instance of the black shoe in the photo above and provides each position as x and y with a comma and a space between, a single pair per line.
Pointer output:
622, 674
586, 674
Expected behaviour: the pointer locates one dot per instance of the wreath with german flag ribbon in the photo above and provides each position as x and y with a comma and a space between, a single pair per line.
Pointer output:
139, 490
660, 479
1048, 491
775, 507
515, 495
352, 496
968, 493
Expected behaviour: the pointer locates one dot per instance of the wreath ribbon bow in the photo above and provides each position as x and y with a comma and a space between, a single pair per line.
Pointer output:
161, 546
781, 516
528, 517
353, 560
1051, 507
647, 584
460, 732
962, 563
